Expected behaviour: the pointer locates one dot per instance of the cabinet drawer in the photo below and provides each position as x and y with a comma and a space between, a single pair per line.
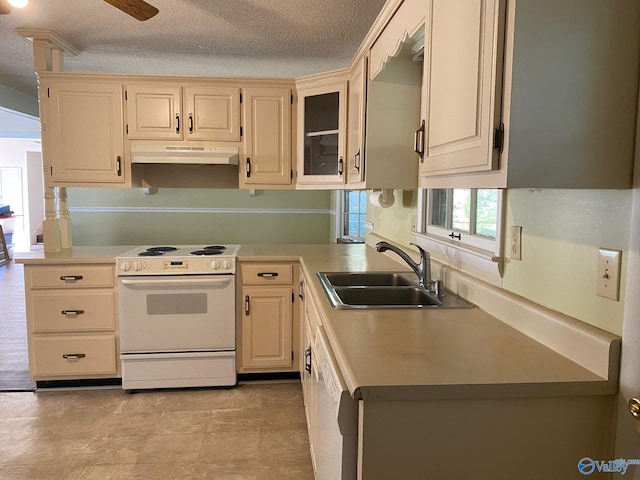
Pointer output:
267, 273
74, 356
73, 311
69, 276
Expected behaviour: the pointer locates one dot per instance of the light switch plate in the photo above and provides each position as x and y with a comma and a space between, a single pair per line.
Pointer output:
516, 242
608, 281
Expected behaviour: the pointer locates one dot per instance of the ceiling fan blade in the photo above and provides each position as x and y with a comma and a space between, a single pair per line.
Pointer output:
4, 7
138, 9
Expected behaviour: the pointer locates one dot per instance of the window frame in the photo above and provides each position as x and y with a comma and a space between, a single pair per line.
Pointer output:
341, 214
484, 263
470, 238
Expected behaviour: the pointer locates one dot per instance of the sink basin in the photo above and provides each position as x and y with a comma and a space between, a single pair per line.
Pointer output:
347, 290
386, 296
379, 279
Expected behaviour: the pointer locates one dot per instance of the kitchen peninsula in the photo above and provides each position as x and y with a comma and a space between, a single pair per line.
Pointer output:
432, 386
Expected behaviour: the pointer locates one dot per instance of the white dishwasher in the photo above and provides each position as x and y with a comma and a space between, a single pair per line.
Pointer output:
335, 442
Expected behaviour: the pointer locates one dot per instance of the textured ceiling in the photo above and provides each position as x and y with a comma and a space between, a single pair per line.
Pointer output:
271, 38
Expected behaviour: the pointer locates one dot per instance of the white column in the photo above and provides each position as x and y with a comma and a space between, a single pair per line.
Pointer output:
51, 225
64, 222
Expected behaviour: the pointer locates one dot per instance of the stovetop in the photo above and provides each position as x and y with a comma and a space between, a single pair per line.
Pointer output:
178, 260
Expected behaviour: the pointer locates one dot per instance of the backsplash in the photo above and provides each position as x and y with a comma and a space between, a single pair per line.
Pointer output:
394, 222
561, 233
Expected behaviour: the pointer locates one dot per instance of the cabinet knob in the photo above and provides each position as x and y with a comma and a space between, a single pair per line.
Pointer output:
177, 123
248, 167
72, 312
191, 123
634, 407
340, 167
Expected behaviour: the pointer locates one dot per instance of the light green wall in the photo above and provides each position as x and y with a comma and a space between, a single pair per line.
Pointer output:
561, 230
395, 222
197, 216
561, 233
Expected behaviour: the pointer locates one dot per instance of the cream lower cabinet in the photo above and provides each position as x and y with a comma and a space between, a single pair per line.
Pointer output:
267, 333
71, 321
83, 137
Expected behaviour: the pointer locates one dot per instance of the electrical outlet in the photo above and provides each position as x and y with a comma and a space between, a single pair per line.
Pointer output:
516, 242
608, 280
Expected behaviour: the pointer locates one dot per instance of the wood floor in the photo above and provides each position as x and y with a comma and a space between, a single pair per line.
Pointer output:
14, 362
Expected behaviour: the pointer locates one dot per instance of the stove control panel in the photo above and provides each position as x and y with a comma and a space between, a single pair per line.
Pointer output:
176, 266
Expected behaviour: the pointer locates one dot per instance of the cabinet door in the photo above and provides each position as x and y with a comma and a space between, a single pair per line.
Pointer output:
212, 113
322, 118
266, 327
462, 85
154, 111
84, 137
356, 115
267, 114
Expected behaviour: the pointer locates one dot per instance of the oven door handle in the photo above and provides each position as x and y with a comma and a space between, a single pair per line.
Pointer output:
179, 283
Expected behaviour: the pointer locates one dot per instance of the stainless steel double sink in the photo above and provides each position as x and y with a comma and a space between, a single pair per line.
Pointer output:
368, 290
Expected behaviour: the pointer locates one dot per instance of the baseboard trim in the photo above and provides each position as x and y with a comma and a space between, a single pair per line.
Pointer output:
249, 377
89, 382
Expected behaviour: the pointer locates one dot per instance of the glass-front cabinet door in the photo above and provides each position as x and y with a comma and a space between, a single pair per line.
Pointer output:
321, 142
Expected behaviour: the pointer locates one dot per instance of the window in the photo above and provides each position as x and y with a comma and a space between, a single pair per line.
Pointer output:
353, 215
466, 216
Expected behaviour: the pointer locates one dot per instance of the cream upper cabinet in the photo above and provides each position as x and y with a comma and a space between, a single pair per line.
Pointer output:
83, 132
355, 120
511, 99
322, 124
267, 138
183, 112
393, 96
462, 75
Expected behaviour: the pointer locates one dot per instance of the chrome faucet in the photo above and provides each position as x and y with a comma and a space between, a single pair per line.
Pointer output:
422, 269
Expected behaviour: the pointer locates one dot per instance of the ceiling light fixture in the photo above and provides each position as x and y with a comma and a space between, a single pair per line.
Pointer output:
19, 3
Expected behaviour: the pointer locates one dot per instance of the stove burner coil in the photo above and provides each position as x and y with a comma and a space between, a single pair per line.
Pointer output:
215, 247
161, 249
151, 253
207, 251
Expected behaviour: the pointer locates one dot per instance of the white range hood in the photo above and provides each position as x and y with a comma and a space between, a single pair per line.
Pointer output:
184, 155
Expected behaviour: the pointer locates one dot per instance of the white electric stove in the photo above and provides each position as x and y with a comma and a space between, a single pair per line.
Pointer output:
177, 316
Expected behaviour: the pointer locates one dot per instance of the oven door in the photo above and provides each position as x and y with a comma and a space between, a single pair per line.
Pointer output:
177, 313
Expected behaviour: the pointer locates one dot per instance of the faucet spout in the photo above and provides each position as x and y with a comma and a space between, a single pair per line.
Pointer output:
422, 269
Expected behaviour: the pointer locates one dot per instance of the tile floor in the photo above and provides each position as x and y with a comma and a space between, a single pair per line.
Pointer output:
255, 431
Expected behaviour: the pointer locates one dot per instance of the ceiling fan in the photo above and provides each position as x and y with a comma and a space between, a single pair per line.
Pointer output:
138, 9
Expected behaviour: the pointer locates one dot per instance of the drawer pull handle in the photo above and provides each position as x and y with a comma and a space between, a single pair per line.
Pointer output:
72, 312
73, 356
268, 274
307, 360
71, 277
